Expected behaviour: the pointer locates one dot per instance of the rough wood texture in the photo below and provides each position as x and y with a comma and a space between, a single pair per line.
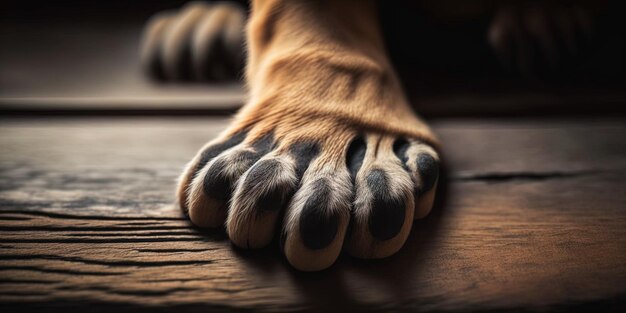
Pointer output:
533, 218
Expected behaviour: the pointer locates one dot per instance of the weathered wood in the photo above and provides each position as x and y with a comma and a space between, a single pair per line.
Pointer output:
532, 218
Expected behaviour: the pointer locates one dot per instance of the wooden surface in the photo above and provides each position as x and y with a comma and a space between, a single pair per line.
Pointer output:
532, 218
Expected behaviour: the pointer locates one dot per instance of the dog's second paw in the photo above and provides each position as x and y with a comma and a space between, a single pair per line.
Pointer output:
539, 37
200, 42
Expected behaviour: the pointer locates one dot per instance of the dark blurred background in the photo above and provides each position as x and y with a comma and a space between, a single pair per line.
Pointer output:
82, 56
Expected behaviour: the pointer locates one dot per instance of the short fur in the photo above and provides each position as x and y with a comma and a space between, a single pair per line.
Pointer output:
318, 79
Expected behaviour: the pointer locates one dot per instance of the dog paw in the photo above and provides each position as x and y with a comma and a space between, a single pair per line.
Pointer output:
321, 185
200, 42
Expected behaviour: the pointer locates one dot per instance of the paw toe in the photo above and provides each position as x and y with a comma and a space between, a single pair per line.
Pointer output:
428, 168
382, 213
384, 200
206, 155
212, 188
216, 183
318, 223
200, 41
388, 211
217, 43
317, 218
224, 171
422, 163
259, 197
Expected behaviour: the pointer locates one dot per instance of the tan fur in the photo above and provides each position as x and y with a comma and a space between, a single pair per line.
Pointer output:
324, 60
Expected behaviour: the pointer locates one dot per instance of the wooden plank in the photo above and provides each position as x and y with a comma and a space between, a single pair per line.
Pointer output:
532, 218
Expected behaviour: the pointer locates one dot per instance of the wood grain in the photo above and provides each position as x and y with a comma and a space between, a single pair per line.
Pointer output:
532, 218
